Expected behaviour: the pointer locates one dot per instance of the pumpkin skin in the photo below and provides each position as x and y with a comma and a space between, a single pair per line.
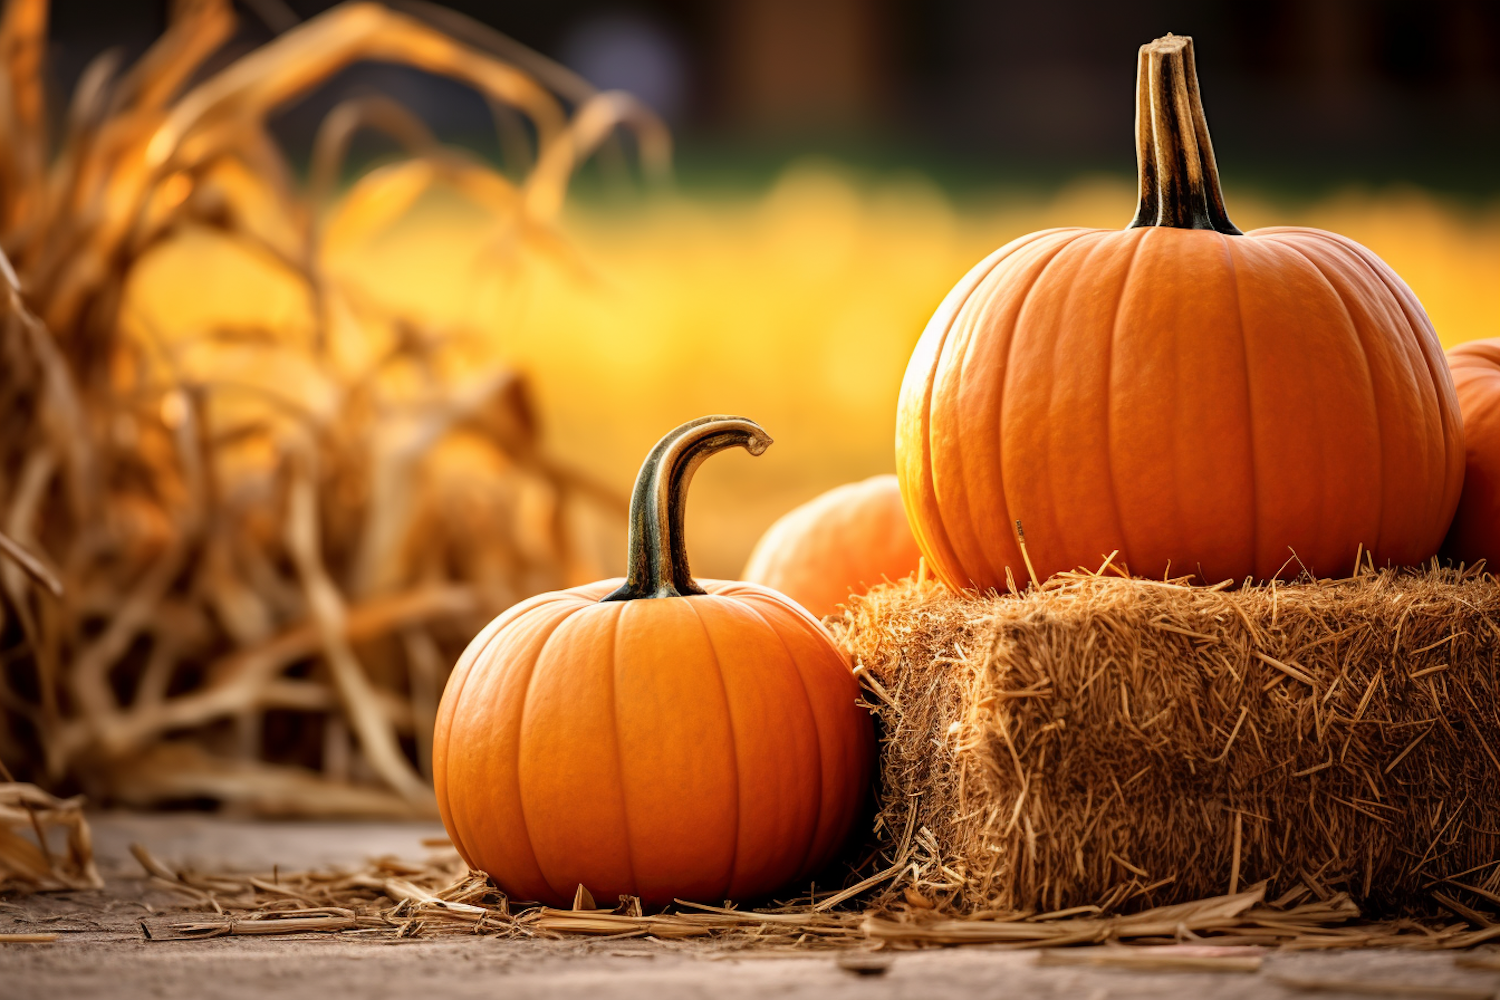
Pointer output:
841, 542
1197, 400
696, 745
1475, 533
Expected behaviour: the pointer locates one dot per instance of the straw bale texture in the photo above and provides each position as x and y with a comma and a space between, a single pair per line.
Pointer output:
1130, 743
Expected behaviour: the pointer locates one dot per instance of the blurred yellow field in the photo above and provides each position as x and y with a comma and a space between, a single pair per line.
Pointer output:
797, 308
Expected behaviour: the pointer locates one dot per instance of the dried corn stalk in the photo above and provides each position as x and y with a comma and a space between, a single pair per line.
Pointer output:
271, 545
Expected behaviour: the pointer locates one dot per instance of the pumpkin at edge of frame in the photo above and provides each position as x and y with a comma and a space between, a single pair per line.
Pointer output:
1475, 533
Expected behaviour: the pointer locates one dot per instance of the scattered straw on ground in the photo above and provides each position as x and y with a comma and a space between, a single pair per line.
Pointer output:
398, 899
1126, 743
30, 858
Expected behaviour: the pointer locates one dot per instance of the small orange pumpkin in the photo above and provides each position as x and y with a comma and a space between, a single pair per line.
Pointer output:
652, 737
840, 542
1194, 399
1475, 533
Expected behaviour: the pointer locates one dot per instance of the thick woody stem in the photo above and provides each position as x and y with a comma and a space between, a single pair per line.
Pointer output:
1179, 178
658, 505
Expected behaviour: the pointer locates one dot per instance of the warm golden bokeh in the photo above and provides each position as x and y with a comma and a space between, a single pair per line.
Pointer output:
797, 308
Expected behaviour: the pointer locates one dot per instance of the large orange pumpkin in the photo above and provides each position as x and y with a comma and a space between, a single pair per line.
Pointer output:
840, 542
1197, 399
1475, 533
652, 737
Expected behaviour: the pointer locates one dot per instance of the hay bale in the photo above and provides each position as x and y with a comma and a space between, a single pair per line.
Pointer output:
1126, 743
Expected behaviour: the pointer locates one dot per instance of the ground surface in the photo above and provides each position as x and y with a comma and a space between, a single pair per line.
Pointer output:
101, 951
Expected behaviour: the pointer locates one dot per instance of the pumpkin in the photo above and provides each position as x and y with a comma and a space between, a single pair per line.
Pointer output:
1475, 533
840, 542
1188, 398
653, 737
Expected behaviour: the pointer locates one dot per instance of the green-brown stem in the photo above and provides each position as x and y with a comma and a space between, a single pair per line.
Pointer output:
658, 551
1179, 178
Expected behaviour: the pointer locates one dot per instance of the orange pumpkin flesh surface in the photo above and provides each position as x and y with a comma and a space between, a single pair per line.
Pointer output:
1475, 533
841, 542
1194, 399
653, 738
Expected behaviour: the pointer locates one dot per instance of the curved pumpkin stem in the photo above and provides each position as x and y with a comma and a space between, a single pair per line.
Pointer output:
1179, 178
658, 550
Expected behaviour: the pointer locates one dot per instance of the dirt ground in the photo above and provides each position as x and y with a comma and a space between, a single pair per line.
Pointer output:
102, 952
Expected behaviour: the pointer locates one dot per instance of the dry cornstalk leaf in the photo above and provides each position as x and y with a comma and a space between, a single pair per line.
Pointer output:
233, 503
33, 566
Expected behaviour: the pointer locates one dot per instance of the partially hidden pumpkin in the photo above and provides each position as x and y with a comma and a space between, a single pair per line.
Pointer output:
1475, 533
840, 542
1189, 398
652, 737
